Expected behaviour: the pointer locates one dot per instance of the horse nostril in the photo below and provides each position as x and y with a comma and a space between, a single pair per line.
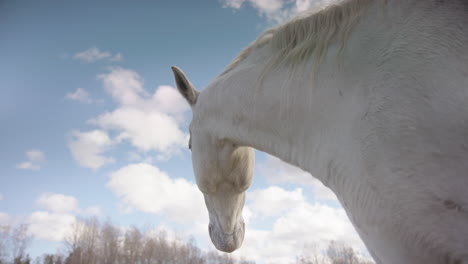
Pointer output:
210, 228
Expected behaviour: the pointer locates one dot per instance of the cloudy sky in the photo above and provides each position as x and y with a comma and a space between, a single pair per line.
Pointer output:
92, 126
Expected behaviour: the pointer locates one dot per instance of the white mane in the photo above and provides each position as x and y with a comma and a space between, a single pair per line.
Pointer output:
309, 34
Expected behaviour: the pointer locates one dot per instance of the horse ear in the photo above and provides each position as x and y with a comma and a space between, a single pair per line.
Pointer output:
185, 87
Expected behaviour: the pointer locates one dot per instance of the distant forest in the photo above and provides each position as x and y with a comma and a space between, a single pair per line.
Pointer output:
92, 242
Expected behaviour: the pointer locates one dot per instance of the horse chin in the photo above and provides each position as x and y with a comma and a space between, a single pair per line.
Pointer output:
227, 242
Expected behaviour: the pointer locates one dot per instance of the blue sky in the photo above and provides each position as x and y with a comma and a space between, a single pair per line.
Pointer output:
92, 126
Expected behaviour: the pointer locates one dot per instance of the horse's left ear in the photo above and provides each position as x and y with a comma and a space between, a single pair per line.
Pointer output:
185, 87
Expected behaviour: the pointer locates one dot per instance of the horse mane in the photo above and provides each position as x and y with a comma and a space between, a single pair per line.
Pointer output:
308, 34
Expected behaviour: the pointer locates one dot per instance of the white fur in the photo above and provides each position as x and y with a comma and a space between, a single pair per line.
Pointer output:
386, 129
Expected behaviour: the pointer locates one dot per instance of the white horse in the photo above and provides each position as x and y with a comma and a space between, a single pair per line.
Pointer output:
371, 98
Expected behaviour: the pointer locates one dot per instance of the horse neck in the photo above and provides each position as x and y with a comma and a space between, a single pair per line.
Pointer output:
282, 116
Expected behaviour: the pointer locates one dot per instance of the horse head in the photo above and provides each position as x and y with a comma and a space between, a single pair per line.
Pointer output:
223, 172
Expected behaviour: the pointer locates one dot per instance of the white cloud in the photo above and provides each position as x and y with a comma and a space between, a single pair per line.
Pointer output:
56, 221
87, 148
247, 214
147, 122
277, 171
134, 157
92, 211
267, 6
116, 57
50, 226
4, 219
35, 155
325, 222
303, 5
168, 100
172, 235
277, 10
79, 95
125, 86
271, 9
94, 54
35, 159
300, 223
236, 4
274, 201
145, 129
27, 166
146, 188
58, 203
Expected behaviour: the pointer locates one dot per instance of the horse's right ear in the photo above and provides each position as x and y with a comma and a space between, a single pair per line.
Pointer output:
185, 87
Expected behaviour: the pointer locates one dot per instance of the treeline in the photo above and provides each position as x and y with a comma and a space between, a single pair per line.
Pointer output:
336, 253
92, 242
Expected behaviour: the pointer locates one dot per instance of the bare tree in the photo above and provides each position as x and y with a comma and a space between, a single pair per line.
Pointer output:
336, 253
74, 257
82, 242
90, 241
73, 243
132, 246
22, 260
109, 244
59, 259
51, 259
149, 252
20, 240
340, 253
164, 249
311, 255
244, 261
192, 253
4, 243
213, 257
13, 244
48, 259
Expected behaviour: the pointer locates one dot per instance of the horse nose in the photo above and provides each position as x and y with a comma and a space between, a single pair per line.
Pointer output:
227, 242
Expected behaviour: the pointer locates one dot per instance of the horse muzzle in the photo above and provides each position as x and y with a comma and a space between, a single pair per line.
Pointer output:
227, 242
